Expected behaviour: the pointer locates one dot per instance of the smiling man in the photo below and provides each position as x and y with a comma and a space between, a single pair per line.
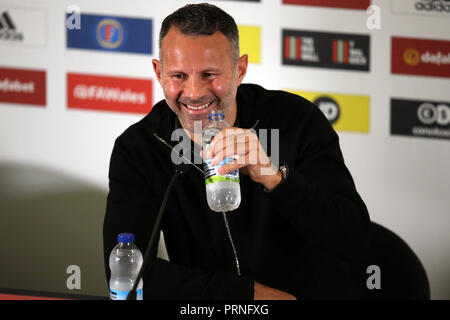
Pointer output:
301, 226
199, 74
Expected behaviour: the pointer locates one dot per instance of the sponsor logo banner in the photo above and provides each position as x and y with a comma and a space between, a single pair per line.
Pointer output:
250, 42
428, 119
109, 93
326, 50
420, 57
23, 86
423, 7
116, 34
345, 112
345, 4
22, 26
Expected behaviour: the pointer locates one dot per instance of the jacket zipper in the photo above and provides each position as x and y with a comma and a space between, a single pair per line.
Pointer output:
236, 259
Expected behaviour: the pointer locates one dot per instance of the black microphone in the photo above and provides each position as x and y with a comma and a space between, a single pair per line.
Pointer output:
179, 171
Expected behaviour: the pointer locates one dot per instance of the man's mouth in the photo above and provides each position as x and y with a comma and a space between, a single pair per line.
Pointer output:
196, 109
204, 106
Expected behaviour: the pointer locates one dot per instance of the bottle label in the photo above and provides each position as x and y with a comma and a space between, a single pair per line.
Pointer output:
211, 174
122, 295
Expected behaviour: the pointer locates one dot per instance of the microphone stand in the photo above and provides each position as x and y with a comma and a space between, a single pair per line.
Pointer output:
156, 228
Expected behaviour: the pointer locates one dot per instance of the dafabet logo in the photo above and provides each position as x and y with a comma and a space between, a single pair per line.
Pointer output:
23, 86
420, 57
411, 57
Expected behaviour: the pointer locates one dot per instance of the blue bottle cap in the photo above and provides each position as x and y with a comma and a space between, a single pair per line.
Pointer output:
125, 237
216, 114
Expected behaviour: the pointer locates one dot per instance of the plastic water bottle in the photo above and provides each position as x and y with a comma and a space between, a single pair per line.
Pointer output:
125, 261
222, 191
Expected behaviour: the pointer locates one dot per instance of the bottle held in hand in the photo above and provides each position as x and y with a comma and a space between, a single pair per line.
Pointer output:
222, 191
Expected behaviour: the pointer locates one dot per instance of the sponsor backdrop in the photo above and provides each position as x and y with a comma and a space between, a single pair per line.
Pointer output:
75, 74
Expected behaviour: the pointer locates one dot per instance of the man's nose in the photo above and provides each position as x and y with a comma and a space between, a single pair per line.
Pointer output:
194, 89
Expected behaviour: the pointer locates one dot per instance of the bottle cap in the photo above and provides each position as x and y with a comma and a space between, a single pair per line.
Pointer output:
125, 237
216, 114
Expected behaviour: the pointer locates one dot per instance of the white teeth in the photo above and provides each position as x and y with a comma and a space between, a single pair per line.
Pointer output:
199, 107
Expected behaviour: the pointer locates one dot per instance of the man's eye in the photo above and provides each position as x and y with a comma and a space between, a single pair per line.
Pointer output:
178, 76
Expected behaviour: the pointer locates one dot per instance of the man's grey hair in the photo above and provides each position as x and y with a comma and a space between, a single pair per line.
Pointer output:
202, 19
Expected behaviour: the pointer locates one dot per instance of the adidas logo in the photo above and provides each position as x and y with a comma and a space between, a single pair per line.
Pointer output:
8, 30
434, 5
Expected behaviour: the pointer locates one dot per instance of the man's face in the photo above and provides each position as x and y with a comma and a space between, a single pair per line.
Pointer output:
197, 75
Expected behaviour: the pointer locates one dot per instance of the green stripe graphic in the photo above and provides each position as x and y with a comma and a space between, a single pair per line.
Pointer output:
292, 48
220, 178
340, 51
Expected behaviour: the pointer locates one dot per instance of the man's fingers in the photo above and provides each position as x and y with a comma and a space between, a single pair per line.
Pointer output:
223, 170
240, 162
232, 134
240, 144
233, 145
230, 131
237, 151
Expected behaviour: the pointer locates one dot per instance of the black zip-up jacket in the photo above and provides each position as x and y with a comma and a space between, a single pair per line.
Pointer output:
303, 237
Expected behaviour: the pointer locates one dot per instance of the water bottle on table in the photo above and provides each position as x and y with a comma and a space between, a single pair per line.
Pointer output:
125, 261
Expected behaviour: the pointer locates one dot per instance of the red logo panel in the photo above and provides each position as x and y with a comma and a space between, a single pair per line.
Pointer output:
343, 4
420, 57
109, 93
22, 86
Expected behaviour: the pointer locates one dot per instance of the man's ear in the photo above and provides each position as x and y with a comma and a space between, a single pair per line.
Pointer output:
157, 69
242, 67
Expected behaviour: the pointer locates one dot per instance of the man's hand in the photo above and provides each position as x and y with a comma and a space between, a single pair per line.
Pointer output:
262, 292
243, 145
